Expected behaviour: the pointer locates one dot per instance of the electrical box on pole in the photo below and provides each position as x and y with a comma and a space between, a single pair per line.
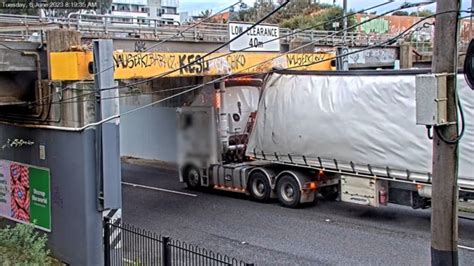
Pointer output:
431, 100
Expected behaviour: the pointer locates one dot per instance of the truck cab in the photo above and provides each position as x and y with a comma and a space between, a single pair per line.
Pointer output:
216, 130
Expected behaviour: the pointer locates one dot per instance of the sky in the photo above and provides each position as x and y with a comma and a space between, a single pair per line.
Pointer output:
195, 6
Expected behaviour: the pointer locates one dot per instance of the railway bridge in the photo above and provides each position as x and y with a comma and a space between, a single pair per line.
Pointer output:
50, 69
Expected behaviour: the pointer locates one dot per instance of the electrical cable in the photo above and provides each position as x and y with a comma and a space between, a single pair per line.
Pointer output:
271, 40
201, 59
221, 78
385, 43
130, 95
10, 48
179, 33
466, 248
353, 52
404, 6
193, 25
199, 86
228, 42
460, 135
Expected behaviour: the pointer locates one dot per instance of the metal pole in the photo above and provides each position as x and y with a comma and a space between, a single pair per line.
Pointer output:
106, 241
444, 218
109, 132
165, 251
344, 7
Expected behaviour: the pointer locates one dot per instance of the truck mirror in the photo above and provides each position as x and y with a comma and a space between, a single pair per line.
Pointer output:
469, 65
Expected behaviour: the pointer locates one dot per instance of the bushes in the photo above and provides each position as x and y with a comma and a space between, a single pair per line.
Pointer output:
22, 245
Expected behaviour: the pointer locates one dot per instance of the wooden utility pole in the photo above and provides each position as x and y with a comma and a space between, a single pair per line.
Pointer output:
444, 217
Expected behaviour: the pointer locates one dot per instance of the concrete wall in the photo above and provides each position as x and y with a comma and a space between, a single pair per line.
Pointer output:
149, 133
76, 234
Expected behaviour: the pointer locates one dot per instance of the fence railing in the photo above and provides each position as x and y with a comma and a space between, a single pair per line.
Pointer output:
128, 245
91, 25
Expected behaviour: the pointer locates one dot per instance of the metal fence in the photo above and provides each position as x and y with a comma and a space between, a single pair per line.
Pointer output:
93, 26
128, 245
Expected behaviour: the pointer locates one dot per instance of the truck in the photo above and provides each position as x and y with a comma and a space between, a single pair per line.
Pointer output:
295, 135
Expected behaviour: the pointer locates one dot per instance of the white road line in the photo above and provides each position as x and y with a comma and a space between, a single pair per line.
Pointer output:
466, 248
160, 189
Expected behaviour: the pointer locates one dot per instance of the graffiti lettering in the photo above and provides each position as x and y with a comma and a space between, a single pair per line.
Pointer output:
303, 59
193, 64
377, 25
236, 61
378, 55
144, 60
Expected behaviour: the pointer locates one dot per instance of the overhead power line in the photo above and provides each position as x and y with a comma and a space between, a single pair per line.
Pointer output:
248, 47
180, 33
201, 59
383, 44
404, 6
224, 77
194, 25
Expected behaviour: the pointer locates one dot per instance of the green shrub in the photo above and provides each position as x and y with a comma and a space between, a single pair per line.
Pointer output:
21, 245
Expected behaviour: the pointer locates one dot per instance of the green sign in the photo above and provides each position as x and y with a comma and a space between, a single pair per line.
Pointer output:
25, 194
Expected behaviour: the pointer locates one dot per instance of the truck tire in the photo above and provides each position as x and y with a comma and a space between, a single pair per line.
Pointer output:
259, 187
330, 193
192, 177
288, 191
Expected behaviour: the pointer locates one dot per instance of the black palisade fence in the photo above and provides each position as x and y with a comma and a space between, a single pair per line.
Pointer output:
128, 245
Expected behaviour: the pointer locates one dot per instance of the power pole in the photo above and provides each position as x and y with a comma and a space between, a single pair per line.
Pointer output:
444, 217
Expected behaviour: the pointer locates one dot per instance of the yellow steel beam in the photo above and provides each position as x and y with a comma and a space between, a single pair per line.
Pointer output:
74, 66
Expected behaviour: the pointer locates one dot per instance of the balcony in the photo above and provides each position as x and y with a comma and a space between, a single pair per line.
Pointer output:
173, 17
170, 3
131, 2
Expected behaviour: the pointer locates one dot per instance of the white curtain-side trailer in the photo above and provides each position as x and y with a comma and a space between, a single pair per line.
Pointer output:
347, 135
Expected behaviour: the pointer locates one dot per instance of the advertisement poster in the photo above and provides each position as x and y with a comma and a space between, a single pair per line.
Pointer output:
25, 194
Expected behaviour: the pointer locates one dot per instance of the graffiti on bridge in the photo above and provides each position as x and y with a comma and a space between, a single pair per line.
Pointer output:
142, 65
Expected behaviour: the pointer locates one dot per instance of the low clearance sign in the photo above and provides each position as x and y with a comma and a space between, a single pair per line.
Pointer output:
262, 38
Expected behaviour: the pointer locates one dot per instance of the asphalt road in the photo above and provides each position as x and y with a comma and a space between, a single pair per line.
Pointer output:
329, 233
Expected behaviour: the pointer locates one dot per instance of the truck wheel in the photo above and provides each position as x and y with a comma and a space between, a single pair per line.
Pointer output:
192, 178
288, 192
330, 193
259, 187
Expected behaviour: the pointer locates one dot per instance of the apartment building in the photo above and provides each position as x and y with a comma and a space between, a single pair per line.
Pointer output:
137, 11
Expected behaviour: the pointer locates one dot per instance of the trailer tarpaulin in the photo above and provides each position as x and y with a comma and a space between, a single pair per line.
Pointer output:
361, 123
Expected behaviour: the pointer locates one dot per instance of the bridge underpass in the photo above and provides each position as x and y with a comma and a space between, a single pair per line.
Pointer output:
144, 35
131, 65
55, 121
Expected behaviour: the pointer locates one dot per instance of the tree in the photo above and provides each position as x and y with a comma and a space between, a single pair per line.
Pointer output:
258, 11
298, 14
400, 13
206, 13
318, 21
422, 13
